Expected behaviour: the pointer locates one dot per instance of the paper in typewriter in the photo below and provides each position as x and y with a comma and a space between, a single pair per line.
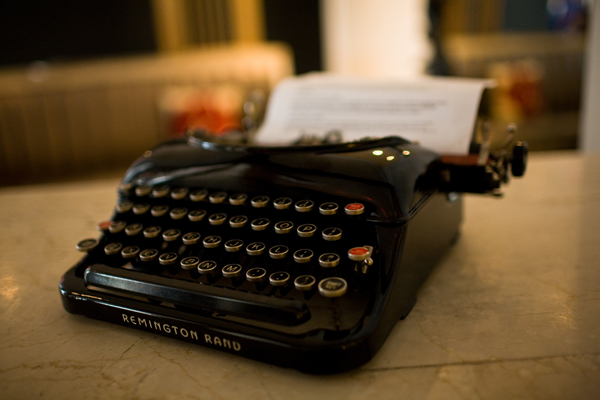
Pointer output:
439, 113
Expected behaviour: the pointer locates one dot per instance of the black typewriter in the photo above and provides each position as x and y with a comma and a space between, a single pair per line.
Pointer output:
300, 256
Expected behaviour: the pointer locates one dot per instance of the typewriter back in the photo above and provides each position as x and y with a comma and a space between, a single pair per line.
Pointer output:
304, 257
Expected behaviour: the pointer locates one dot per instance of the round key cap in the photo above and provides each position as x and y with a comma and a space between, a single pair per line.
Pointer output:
358, 253
303, 256
256, 274
238, 221
283, 227
167, 258
278, 252
279, 278
179, 193
238, 199
304, 205
87, 245
117, 226
332, 234
255, 249
171, 235
133, 229
233, 245
217, 197
159, 210
260, 224
328, 208
259, 201
198, 195
191, 238
207, 267
124, 206
104, 225
305, 282
190, 262
306, 230
141, 208
217, 219
112, 248
329, 260
160, 191
142, 190
354, 209
333, 287
148, 255
130, 251
232, 270
178, 213
196, 215
211, 242
282, 203
152, 232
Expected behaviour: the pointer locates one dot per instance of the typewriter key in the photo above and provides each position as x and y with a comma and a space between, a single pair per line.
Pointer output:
87, 245
260, 224
333, 287
278, 252
303, 256
178, 213
306, 230
160, 191
151, 232
256, 274
171, 235
190, 262
217, 198
255, 249
148, 255
117, 226
283, 227
104, 225
305, 282
159, 210
233, 245
196, 215
207, 267
354, 209
238, 221
304, 205
191, 238
329, 260
217, 219
259, 201
329, 208
238, 199
133, 229
167, 258
211, 242
140, 208
282, 203
198, 195
124, 206
332, 234
130, 251
179, 193
232, 270
142, 190
112, 248
279, 278
359, 253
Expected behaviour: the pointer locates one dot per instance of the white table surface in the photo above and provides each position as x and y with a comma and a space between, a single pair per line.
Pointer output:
513, 311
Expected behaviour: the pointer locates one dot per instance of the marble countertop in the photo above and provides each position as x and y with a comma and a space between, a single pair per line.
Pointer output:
512, 311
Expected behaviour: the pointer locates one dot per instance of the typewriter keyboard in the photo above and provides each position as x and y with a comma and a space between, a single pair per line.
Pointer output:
261, 255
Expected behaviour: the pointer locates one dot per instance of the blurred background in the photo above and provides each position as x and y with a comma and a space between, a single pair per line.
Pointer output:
86, 87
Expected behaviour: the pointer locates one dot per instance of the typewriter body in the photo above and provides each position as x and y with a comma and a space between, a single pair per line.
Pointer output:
300, 256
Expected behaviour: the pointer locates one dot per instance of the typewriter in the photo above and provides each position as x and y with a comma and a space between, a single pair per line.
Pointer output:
301, 256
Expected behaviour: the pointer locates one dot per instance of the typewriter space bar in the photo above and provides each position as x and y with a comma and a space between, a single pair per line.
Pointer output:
198, 296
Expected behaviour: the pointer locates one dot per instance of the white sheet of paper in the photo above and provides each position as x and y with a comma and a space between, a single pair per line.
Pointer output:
439, 113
